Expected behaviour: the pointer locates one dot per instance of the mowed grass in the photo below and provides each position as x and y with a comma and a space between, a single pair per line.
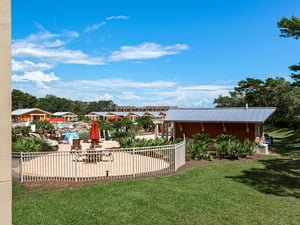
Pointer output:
266, 191
286, 141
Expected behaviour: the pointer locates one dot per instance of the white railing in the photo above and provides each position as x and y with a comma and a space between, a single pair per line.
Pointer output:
85, 165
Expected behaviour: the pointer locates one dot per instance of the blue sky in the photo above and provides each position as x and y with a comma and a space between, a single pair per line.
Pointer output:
178, 53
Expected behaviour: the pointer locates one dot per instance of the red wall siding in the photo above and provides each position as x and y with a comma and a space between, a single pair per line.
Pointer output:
214, 129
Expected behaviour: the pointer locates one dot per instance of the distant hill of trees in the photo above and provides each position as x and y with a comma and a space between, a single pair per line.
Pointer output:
51, 103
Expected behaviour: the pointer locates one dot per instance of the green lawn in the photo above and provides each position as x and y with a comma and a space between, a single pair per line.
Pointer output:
265, 191
286, 141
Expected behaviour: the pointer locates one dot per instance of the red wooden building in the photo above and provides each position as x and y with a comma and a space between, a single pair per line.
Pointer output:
244, 123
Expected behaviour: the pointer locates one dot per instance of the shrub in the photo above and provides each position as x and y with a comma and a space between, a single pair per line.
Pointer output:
248, 147
197, 147
85, 136
130, 143
229, 145
30, 144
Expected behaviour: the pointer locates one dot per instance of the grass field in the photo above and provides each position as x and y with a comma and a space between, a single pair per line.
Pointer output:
265, 191
286, 141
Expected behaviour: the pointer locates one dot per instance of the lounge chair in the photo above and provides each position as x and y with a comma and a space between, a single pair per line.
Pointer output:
76, 144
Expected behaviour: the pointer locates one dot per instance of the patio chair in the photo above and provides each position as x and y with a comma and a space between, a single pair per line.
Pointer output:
76, 144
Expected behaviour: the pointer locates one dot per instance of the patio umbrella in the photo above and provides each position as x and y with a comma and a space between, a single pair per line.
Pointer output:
58, 119
94, 135
115, 117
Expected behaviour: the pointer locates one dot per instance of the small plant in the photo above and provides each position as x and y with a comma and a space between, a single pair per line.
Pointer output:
129, 143
248, 147
85, 136
41, 126
229, 145
197, 147
30, 144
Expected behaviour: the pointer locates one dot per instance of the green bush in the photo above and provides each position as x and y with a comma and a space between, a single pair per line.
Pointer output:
229, 145
30, 144
42, 126
197, 147
130, 143
85, 136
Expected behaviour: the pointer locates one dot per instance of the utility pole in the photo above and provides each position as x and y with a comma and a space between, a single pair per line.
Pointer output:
5, 109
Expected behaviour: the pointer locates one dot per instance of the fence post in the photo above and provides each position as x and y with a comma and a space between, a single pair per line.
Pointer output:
76, 161
21, 166
133, 169
175, 157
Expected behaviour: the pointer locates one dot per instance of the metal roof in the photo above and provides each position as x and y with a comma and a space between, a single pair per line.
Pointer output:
61, 113
18, 112
249, 114
98, 113
120, 113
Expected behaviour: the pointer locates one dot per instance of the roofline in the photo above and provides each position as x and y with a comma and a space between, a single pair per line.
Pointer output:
205, 121
29, 110
220, 108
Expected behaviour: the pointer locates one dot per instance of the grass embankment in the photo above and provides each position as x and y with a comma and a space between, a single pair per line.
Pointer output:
256, 192
266, 191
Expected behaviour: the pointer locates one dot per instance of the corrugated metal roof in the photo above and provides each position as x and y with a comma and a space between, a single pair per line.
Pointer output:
120, 113
18, 112
98, 113
61, 113
250, 115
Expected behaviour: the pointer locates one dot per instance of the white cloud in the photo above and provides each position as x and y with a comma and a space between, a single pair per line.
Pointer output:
118, 84
129, 95
27, 66
207, 87
45, 50
43, 47
95, 26
117, 18
128, 92
146, 50
106, 96
102, 23
38, 77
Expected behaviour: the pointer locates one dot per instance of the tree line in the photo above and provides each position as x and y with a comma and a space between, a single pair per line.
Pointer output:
271, 92
51, 103
275, 92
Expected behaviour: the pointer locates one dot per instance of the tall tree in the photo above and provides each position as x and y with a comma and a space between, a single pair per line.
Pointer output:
291, 28
21, 100
272, 92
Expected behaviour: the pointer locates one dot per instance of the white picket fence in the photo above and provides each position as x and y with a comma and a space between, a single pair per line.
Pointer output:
97, 164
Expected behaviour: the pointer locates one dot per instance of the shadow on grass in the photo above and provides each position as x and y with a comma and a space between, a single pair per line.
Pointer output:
286, 142
280, 176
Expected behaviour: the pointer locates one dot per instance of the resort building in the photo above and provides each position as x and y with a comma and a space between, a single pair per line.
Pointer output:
96, 115
29, 115
66, 116
244, 123
145, 108
121, 114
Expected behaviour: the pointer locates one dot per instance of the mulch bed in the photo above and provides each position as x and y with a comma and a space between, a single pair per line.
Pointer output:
62, 185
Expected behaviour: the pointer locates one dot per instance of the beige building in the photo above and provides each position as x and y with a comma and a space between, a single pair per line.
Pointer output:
29, 115
5, 119
144, 108
66, 116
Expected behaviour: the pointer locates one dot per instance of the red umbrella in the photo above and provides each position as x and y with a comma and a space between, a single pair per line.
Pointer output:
94, 135
115, 117
57, 119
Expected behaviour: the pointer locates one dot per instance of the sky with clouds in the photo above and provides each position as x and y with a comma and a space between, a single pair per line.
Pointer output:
177, 53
